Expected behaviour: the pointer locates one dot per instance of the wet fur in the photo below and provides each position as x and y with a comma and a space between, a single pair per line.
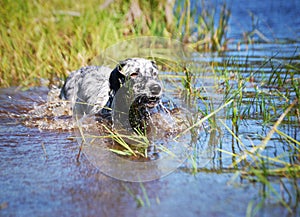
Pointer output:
93, 88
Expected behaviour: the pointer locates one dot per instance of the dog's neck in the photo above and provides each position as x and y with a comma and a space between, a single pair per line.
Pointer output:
116, 80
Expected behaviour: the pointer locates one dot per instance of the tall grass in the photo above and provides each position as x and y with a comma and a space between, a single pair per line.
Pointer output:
45, 40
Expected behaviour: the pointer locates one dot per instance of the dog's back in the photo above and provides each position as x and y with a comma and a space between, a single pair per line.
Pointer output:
92, 88
88, 87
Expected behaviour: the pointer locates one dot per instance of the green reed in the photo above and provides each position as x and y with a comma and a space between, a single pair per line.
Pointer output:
202, 30
274, 103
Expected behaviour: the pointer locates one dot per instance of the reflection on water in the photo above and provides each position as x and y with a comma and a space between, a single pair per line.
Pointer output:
40, 176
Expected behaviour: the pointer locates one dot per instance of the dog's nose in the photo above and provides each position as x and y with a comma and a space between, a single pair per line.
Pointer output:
155, 89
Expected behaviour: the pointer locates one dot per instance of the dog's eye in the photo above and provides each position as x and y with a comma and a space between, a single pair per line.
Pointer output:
133, 75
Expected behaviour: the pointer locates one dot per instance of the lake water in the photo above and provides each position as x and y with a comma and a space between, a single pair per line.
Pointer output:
40, 176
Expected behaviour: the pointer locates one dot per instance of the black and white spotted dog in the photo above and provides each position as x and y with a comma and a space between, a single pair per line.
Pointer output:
93, 88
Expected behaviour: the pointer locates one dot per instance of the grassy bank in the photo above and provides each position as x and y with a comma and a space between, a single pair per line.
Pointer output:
48, 39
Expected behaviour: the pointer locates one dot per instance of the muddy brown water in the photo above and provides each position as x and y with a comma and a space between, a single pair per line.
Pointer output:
40, 176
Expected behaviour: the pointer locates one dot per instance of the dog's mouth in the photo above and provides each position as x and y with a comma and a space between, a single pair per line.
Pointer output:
148, 101
152, 101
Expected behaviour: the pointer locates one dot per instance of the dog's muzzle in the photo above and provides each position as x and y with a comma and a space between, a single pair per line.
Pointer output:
153, 96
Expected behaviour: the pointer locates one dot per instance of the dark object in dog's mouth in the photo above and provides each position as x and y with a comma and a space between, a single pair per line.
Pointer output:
150, 102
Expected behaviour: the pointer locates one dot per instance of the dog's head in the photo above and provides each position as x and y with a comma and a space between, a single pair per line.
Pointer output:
141, 77
135, 90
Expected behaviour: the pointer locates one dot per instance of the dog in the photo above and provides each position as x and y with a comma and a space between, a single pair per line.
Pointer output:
93, 89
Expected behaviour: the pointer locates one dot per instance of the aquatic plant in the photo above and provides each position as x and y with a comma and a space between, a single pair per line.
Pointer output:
141, 201
200, 29
272, 100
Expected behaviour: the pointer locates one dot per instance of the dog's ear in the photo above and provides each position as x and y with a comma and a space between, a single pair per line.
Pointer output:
122, 64
117, 78
154, 63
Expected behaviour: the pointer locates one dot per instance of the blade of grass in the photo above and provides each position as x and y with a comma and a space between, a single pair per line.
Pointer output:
203, 119
277, 123
119, 140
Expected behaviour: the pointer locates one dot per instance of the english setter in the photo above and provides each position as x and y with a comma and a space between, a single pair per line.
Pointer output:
94, 88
